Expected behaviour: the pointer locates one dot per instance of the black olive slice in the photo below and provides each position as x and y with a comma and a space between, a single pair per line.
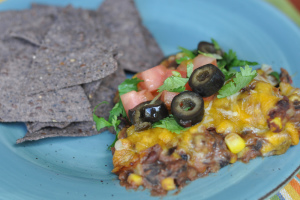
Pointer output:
146, 113
206, 80
154, 112
187, 108
207, 47
135, 113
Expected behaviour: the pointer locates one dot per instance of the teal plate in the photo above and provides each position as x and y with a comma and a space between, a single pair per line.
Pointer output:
79, 168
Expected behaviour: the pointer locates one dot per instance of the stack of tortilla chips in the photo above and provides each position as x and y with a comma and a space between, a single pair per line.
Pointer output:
57, 64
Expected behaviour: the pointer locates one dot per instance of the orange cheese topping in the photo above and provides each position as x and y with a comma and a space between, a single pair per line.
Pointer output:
247, 110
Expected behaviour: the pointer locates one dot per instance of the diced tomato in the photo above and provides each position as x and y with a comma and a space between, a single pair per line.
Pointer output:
167, 98
199, 61
133, 98
210, 98
188, 87
153, 78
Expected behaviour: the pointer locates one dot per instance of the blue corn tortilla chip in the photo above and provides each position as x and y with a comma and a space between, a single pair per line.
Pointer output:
70, 54
105, 92
36, 126
123, 26
52, 70
65, 105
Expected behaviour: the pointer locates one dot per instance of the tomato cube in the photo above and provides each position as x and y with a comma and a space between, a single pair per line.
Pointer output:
153, 78
133, 98
167, 98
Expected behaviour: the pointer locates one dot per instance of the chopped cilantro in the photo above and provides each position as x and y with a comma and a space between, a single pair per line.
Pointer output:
180, 60
174, 84
189, 69
170, 124
241, 80
230, 60
118, 110
176, 74
187, 55
129, 85
228, 74
276, 75
102, 123
187, 52
215, 43
212, 55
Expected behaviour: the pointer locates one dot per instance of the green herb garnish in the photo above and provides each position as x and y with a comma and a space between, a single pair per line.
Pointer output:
230, 60
276, 75
189, 69
128, 85
212, 55
187, 55
170, 124
241, 80
102, 123
176, 83
216, 44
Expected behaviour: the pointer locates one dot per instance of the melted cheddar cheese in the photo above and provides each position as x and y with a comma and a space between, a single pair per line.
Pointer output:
244, 112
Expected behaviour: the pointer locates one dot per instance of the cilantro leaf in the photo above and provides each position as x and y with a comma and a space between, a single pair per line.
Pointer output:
228, 74
187, 55
180, 60
230, 60
189, 69
114, 142
212, 55
187, 52
117, 110
129, 85
276, 75
115, 123
174, 84
215, 43
170, 124
100, 121
241, 80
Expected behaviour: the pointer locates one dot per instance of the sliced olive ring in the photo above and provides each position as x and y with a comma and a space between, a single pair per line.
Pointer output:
144, 114
207, 47
206, 80
187, 108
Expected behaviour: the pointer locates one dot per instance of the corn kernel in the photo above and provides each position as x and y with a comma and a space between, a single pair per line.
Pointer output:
168, 184
290, 128
135, 179
235, 143
277, 121
294, 97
